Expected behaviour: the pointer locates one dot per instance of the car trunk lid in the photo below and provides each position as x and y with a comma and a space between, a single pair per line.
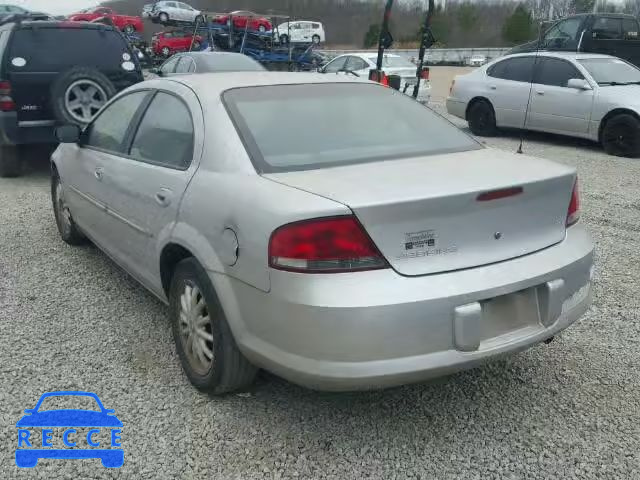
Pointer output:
448, 212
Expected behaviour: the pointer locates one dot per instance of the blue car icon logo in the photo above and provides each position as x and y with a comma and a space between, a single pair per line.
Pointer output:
41, 432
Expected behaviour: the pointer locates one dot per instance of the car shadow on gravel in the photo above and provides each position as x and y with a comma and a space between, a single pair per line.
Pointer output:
550, 139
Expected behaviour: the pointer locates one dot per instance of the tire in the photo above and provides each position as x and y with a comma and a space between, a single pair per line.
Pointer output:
621, 136
77, 79
163, 17
196, 46
166, 51
482, 119
10, 164
129, 29
315, 39
284, 39
69, 231
262, 28
227, 370
199, 19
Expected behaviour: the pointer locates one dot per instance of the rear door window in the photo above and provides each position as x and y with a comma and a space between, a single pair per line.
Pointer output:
630, 29
58, 49
163, 139
607, 28
519, 69
355, 64
169, 66
335, 65
185, 65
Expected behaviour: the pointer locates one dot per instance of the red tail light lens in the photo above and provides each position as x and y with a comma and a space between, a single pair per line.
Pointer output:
424, 74
453, 84
573, 214
324, 245
6, 101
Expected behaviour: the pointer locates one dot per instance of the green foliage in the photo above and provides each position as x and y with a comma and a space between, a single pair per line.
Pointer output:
372, 36
518, 27
467, 16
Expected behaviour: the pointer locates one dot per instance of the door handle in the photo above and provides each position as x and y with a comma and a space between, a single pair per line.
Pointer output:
163, 197
492, 87
539, 92
99, 173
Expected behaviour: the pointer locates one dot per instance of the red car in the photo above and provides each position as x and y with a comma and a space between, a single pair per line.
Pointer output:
125, 23
168, 43
242, 17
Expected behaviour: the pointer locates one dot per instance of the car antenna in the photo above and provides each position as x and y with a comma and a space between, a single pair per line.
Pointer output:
531, 78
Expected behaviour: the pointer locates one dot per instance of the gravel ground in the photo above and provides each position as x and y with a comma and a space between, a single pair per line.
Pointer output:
71, 320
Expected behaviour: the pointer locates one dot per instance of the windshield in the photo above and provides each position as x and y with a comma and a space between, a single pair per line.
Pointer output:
611, 71
393, 62
336, 124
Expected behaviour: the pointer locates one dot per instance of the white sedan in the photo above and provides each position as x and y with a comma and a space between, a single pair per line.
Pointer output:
359, 64
581, 95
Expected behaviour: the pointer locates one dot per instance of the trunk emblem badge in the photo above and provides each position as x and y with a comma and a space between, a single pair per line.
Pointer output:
497, 235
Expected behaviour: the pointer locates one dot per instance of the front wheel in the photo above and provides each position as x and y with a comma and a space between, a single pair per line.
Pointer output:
196, 46
69, 232
482, 119
262, 29
166, 51
206, 347
315, 39
621, 136
284, 39
163, 17
129, 29
199, 19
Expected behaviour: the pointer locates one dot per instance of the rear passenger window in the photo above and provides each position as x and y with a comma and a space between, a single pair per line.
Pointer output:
518, 69
607, 28
164, 139
315, 25
629, 29
109, 130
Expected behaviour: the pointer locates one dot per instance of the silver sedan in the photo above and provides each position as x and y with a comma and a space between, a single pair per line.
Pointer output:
359, 241
581, 95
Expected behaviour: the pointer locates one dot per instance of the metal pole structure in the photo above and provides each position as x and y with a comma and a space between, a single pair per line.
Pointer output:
427, 37
383, 33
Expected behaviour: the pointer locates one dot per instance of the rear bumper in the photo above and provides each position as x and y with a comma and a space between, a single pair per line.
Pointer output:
14, 133
379, 329
457, 108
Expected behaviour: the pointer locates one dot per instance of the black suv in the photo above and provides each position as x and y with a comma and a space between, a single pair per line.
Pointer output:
56, 73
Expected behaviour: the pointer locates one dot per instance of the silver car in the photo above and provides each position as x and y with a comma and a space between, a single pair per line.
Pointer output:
170, 11
360, 241
582, 95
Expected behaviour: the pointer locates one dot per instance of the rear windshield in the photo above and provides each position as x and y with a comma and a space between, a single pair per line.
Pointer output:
231, 63
311, 126
608, 71
393, 62
56, 49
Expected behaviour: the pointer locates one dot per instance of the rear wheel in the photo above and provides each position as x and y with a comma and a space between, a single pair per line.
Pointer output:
315, 39
10, 165
621, 136
284, 39
206, 347
129, 29
163, 17
199, 19
69, 232
166, 51
262, 29
196, 45
482, 119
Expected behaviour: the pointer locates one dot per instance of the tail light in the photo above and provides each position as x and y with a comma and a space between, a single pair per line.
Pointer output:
324, 245
453, 84
573, 214
6, 101
424, 74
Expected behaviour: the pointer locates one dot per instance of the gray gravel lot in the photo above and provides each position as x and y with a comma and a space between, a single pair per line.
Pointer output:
71, 320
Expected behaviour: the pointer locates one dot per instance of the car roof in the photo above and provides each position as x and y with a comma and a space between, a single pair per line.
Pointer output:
567, 55
212, 85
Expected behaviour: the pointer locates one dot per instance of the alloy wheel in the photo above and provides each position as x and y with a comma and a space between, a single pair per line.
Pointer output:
83, 99
195, 329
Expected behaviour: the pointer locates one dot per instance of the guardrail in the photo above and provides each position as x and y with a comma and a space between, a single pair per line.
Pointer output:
434, 56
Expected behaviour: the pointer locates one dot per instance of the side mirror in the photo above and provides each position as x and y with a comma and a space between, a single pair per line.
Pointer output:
68, 133
579, 84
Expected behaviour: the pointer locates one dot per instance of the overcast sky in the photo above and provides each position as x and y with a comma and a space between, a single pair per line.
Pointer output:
55, 7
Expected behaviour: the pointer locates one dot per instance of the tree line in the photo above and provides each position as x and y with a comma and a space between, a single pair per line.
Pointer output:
356, 23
